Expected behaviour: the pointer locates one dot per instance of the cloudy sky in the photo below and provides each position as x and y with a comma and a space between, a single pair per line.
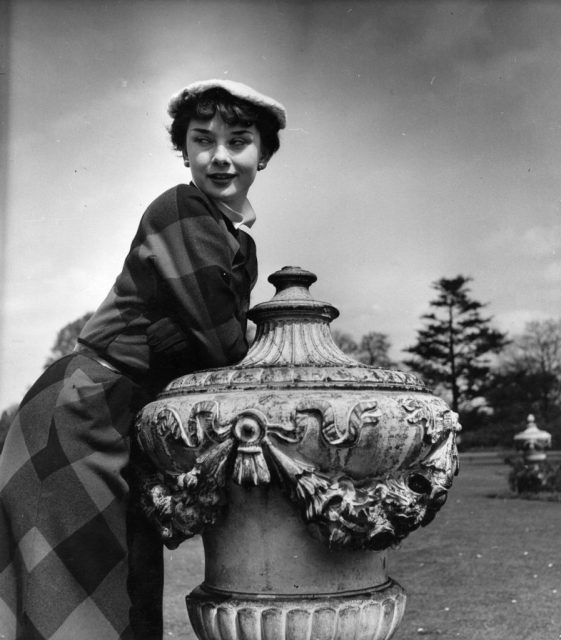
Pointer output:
423, 141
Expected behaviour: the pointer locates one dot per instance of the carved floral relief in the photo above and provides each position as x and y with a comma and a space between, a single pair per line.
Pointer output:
202, 446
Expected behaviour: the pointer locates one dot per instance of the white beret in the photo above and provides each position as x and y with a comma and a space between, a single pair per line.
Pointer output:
236, 89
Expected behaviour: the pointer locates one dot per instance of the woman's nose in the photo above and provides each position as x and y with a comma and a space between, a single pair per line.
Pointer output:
221, 155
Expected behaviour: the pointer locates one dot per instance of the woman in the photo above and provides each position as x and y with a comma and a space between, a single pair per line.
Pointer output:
178, 305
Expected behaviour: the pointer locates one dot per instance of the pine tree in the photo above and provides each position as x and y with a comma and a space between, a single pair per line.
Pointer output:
453, 347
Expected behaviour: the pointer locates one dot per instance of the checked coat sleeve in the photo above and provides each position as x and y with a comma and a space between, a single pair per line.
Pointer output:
181, 300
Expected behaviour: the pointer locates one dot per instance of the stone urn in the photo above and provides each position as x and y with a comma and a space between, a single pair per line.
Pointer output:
532, 473
533, 442
299, 467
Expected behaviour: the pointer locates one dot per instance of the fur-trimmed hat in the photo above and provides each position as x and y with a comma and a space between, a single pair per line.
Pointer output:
236, 89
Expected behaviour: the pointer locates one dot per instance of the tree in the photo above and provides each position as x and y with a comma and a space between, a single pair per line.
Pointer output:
529, 372
5, 422
453, 347
344, 341
374, 349
66, 338
64, 344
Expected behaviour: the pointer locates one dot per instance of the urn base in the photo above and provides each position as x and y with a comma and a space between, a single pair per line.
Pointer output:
368, 614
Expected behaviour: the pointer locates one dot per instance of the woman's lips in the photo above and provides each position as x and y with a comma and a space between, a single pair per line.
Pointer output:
221, 178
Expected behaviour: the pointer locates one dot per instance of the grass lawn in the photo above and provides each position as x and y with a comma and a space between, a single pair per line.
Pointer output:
485, 569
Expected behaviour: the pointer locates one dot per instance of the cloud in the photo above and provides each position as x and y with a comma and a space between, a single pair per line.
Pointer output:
541, 241
515, 320
538, 241
552, 272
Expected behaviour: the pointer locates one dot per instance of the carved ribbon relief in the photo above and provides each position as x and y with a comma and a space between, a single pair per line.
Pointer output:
248, 449
339, 427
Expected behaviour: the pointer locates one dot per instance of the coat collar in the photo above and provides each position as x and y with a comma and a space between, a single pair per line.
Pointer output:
228, 230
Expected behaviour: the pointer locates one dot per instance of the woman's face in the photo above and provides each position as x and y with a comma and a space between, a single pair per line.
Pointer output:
223, 158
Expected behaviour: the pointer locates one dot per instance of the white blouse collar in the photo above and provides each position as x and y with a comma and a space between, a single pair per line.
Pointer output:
240, 219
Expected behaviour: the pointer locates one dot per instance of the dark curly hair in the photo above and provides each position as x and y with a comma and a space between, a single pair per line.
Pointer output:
232, 110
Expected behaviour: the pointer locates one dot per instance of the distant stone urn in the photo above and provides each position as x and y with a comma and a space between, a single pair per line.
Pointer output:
299, 466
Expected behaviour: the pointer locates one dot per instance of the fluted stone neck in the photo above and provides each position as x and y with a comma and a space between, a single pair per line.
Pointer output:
292, 327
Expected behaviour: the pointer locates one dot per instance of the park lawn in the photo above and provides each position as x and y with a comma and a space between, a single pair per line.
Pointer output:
487, 568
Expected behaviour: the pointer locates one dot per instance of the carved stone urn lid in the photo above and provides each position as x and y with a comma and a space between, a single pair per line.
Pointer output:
293, 348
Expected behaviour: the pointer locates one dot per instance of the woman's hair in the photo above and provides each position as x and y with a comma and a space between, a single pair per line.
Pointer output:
232, 110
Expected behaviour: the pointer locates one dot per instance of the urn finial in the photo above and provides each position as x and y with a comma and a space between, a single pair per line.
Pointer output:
293, 299
292, 277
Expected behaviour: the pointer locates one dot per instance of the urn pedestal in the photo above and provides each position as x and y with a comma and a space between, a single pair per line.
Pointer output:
272, 580
300, 467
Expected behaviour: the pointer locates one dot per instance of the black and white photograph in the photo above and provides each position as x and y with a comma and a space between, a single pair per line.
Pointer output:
280, 319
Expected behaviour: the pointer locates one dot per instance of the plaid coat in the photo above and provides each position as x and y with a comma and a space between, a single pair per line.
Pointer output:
179, 304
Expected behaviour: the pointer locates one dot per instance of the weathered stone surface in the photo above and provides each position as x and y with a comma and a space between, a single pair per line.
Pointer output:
371, 614
365, 468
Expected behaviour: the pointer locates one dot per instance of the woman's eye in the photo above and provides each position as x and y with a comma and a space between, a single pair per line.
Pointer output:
239, 142
202, 140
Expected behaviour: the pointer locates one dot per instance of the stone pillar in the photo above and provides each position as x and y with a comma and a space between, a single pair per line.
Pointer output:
299, 466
